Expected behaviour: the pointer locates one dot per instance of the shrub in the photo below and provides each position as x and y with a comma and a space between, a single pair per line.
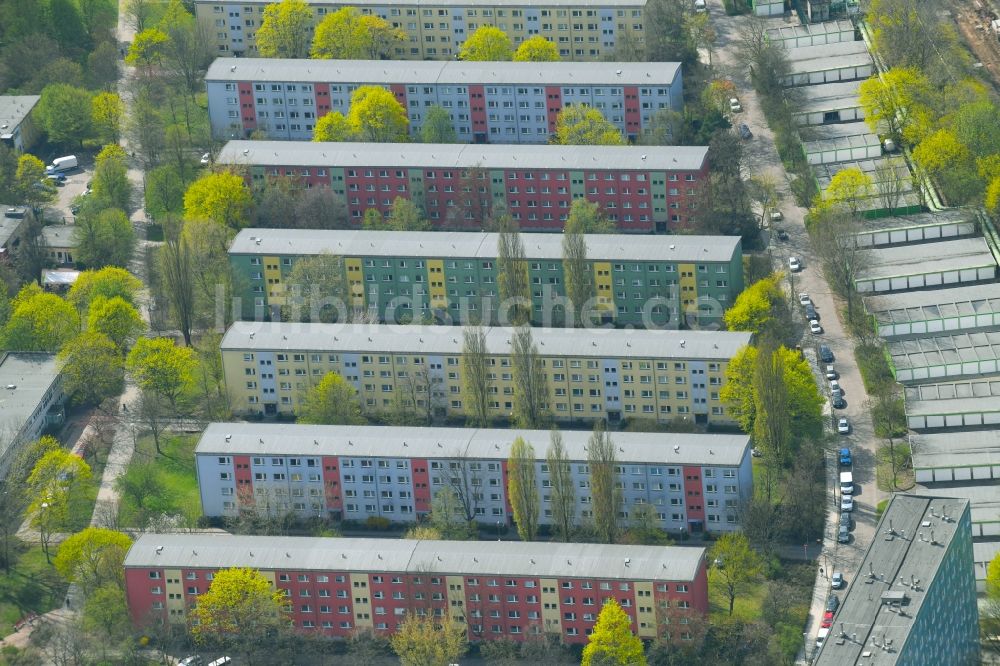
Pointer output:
377, 523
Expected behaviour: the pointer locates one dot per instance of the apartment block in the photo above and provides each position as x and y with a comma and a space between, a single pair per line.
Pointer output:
589, 373
692, 482
31, 401
489, 102
505, 589
581, 30
640, 281
642, 189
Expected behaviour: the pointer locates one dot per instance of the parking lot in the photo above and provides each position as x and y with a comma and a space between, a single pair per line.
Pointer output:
75, 185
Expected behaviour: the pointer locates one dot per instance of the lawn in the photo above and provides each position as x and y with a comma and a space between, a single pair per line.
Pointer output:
746, 608
165, 483
903, 466
31, 586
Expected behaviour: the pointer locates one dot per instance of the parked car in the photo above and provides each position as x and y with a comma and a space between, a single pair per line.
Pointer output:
776, 216
835, 388
845, 519
827, 620
811, 313
847, 504
839, 403
804, 299
837, 581
193, 660
843, 535
206, 159
825, 354
831, 373
845, 457
745, 132
814, 327
782, 235
734, 105
57, 178
794, 265
833, 603
821, 637
843, 426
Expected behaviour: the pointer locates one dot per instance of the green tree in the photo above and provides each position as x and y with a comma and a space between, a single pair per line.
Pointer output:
438, 126
222, 197
347, 34
736, 566
847, 190
316, 290
39, 321
536, 49
107, 114
161, 367
771, 426
487, 43
93, 558
577, 272
512, 275
406, 216
475, 375
241, 612
332, 401
111, 184
578, 125
373, 220
644, 528
531, 391
606, 495
164, 191
284, 30
668, 33
376, 116
147, 49
894, 99
612, 643
64, 113
92, 368
563, 490
425, 640
423, 533
54, 485
586, 217
31, 185
448, 516
104, 239
522, 488
105, 617
949, 162
333, 127
117, 319
107, 282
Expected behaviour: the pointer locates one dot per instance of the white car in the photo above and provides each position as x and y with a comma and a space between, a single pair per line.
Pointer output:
206, 158
831, 373
814, 327
794, 265
835, 387
804, 299
843, 427
734, 105
847, 503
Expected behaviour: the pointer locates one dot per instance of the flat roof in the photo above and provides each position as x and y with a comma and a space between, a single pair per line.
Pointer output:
981, 394
822, 57
462, 156
888, 565
822, 96
445, 3
14, 109
59, 235
941, 350
445, 72
916, 220
912, 306
924, 258
447, 340
8, 225
481, 443
31, 375
983, 497
503, 558
459, 244
959, 448
802, 30
841, 143
819, 132
983, 553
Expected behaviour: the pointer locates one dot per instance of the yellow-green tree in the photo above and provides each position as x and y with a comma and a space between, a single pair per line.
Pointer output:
756, 307
333, 126
107, 112
522, 488
487, 43
424, 640
332, 401
39, 321
147, 49
161, 367
951, 163
536, 49
93, 369
93, 557
992, 200
578, 125
438, 126
738, 565
717, 94
423, 533
284, 30
111, 184
30, 183
847, 190
376, 116
107, 282
104, 239
222, 197
612, 643
116, 318
53, 486
241, 612
406, 216
348, 34
893, 99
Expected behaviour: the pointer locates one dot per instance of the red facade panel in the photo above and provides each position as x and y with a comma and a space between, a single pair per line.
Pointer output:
248, 109
244, 480
477, 112
694, 501
633, 119
399, 92
421, 486
322, 91
331, 484
553, 105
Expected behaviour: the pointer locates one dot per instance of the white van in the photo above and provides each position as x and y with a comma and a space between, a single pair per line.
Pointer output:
62, 164
699, 6
821, 636
221, 661
846, 483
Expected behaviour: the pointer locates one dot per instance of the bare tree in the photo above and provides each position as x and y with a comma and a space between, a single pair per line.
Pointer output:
512, 275
177, 271
578, 274
423, 393
153, 413
531, 390
606, 497
889, 184
475, 375
464, 479
835, 241
138, 13
563, 492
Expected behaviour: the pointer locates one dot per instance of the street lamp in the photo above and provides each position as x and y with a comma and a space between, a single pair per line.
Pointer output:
499, 523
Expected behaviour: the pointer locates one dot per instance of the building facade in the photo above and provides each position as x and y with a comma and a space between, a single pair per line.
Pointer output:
506, 589
31, 398
640, 189
691, 482
436, 30
453, 276
590, 374
489, 102
17, 127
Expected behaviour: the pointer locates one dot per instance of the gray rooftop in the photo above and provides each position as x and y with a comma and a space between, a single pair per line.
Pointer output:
836, 131
505, 558
918, 220
32, 375
445, 72
8, 225
939, 350
447, 340
60, 235
983, 496
924, 258
485, 444
954, 397
804, 30
960, 448
462, 156
863, 611
823, 96
934, 304
14, 109
443, 3
983, 553
827, 56
459, 244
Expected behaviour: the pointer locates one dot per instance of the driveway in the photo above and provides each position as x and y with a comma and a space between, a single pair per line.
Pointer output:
75, 185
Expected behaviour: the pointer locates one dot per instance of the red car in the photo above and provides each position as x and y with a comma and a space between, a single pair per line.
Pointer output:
827, 620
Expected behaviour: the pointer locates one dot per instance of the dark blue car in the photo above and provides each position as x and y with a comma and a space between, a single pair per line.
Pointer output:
845, 457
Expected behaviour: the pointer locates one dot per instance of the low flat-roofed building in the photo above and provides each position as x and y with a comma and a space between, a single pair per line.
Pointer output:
951, 262
917, 228
941, 356
889, 173
13, 223
829, 144
826, 103
828, 63
693, 482
31, 397
913, 599
376, 582
964, 308
984, 501
956, 456
963, 404
60, 243
828, 32
984, 552
17, 129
